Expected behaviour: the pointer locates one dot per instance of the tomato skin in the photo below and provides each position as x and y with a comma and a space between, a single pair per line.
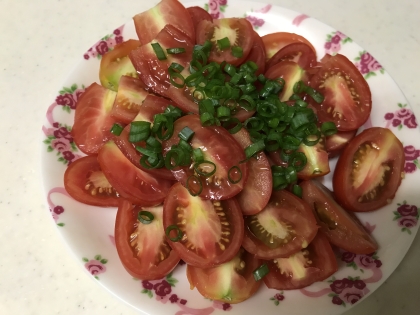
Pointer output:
323, 265
197, 15
290, 210
348, 109
130, 182
218, 147
149, 23
317, 161
145, 268
76, 177
342, 228
259, 185
224, 283
376, 184
275, 41
115, 63
205, 253
238, 30
257, 53
335, 143
300, 53
93, 120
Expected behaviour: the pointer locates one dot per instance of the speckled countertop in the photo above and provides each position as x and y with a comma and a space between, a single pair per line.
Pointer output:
41, 41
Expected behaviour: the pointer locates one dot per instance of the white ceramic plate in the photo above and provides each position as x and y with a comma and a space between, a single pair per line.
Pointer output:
88, 231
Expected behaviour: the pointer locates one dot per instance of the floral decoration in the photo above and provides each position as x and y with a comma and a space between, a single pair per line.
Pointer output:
56, 210
277, 298
95, 266
411, 159
105, 44
216, 8
347, 290
407, 216
367, 64
401, 117
361, 262
334, 41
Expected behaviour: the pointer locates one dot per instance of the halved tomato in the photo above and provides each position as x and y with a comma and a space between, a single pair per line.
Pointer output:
291, 72
239, 32
218, 147
341, 228
93, 120
130, 182
275, 41
211, 232
259, 185
335, 143
369, 171
85, 182
315, 263
197, 15
347, 98
149, 23
284, 227
115, 63
317, 161
130, 96
300, 53
142, 248
231, 282
257, 53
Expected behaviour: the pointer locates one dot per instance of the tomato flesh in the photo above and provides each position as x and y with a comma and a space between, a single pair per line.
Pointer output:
369, 171
317, 161
142, 248
212, 230
335, 143
300, 53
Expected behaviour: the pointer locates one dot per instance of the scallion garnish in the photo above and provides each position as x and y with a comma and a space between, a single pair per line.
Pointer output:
158, 51
194, 185
234, 174
116, 129
237, 52
179, 233
186, 133
197, 155
223, 43
145, 217
175, 51
139, 131
261, 272
254, 148
328, 128
205, 168
297, 190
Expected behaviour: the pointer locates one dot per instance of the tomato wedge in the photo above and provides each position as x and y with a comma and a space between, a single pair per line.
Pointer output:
231, 282
131, 183
257, 53
238, 31
142, 248
85, 182
212, 231
198, 14
93, 120
301, 53
317, 161
335, 143
275, 41
218, 147
149, 23
284, 227
342, 229
317, 262
347, 97
115, 63
369, 171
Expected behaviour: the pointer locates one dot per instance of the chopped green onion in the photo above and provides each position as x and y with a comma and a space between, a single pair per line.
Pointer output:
201, 168
297, 190
146, 151
152, 162
175, 67
174, 158
186, 133
233, 125
223, 113
261, 272
145, 217
328, 128
254, 148
176, 79
291, 174
158, 51
179, 233
234, 174
223, 43
247, 102
237, 52
175, 51
298, 160
230, 69
139, 131
197, 155
194, 185
116, 129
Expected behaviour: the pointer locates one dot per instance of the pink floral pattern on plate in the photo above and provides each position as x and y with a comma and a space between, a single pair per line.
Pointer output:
367, 65
95, 266
411, 159
299, 19
334, 41
105, 44
401, 117
56, 210
216, 8
277, 298
407, 216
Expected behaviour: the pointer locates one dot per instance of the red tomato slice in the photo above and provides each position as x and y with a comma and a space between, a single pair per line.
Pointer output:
337, 142
212, 231
130, 96
284, 227
218, 147
115, 63
315, 263
154, 72
149, 23
231, 282
238, 31
369, 171
197, 15
301, 53
317, 161
291, 72
93, 120
259, 185
275, 41
85, 182
257, 53
341, 228
347, 98
142, 248
131, 183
